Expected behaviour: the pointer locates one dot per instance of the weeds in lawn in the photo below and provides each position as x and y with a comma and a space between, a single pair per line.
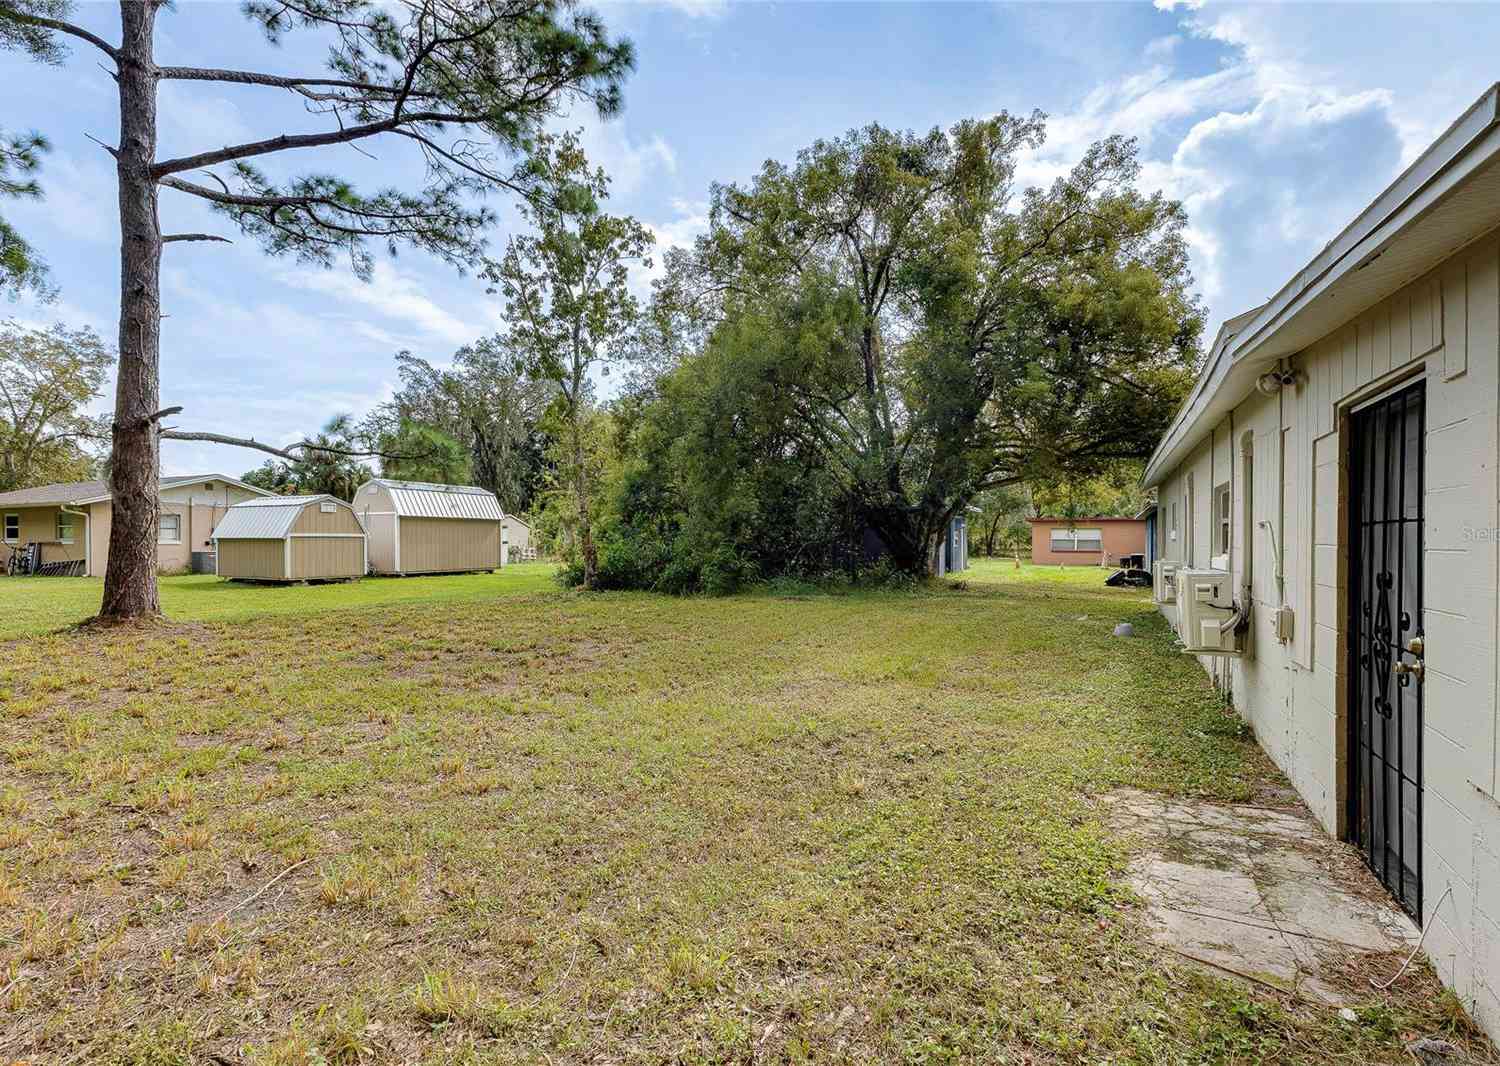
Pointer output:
793, 825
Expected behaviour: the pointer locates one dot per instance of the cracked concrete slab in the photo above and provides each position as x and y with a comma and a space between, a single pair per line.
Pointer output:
1256, 891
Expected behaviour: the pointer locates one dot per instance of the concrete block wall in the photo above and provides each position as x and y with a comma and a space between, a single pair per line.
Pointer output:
1443, 329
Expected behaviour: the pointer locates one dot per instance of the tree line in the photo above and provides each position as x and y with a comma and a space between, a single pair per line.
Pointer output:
869, 340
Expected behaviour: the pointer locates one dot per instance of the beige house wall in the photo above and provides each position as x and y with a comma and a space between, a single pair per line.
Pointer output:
253, 560
1443, 329
198, 506
437, 545
517, 533
39, 525
99, 519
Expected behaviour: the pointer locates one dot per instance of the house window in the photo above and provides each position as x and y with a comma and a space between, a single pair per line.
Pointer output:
169, 529
1173, 527
64, 527
1077, 540
12, 528
1223, 514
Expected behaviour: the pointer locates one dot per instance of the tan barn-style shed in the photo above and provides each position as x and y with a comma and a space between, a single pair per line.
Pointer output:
421, 528
291, 538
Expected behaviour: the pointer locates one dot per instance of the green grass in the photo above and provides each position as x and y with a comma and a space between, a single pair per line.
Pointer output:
498, 825
31, 605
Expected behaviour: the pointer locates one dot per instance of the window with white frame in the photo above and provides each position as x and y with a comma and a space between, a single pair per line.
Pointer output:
12, 528
1077, 540
169, 529
64, 527
1223, 512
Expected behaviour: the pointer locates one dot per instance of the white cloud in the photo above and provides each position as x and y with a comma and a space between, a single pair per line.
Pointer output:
395, 297
629, 163
689, 221
1163, 47
698, 8
1269, 157
192, 118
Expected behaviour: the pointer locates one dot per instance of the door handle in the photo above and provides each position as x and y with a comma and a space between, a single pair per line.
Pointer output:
1417, 669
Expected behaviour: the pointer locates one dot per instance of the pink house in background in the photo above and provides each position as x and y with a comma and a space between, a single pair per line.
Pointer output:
1086, 541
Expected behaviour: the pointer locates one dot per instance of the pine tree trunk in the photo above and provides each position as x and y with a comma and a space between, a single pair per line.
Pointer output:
585, 534
130, 577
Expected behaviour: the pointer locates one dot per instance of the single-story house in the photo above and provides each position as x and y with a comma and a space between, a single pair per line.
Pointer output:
420, 528
1094, 541
70, 521
290, 538
1333, 474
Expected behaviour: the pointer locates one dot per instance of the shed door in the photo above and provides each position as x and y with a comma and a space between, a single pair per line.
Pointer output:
1385, 649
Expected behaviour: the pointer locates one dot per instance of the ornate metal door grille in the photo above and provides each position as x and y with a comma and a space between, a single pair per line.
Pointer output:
1385, 646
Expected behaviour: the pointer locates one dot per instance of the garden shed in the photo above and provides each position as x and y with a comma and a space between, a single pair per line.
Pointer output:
421, 528
291, 538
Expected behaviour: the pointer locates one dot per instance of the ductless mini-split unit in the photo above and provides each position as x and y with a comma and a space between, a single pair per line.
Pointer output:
1209, 621
1164, 581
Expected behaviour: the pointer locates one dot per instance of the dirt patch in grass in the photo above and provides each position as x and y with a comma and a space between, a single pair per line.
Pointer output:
620, 828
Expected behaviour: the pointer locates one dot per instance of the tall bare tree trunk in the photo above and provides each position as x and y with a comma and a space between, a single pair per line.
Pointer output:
581, 472
130, 579
585, 533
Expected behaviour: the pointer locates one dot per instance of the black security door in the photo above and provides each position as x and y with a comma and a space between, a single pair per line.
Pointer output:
1385, 648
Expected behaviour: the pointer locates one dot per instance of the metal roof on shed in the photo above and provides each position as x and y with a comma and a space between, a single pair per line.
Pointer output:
270, 518
420, 499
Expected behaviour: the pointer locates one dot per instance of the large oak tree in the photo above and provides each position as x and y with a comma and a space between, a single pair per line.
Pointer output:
468, 84
898, 304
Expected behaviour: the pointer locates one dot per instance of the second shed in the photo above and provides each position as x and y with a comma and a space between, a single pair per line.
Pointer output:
420, 528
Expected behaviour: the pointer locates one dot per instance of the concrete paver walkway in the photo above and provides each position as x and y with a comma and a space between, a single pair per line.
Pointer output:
1258, 891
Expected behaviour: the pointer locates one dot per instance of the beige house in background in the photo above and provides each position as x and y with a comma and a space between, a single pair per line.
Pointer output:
1331, 486
70, 521
517, 535
416, 527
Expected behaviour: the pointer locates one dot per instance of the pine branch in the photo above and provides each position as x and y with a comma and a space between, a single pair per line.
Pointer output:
292, 452
171, 237
285, 141
12, 12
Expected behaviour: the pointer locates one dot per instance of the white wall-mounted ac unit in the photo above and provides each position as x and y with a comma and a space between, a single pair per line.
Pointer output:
1208, 619
1164, 581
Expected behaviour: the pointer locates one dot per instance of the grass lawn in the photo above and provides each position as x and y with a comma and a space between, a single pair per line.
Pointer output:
30, 605
498, 825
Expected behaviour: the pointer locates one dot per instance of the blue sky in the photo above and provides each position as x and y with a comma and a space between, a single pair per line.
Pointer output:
1275, 124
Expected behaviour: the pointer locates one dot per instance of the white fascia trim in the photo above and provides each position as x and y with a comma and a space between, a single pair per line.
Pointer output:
1462, 149
320, 536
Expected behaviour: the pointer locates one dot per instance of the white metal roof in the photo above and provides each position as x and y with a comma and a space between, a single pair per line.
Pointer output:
1449, 196
420, 499
270, 518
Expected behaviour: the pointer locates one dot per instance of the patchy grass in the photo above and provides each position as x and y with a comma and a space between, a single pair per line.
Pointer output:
34, 605
553, 828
